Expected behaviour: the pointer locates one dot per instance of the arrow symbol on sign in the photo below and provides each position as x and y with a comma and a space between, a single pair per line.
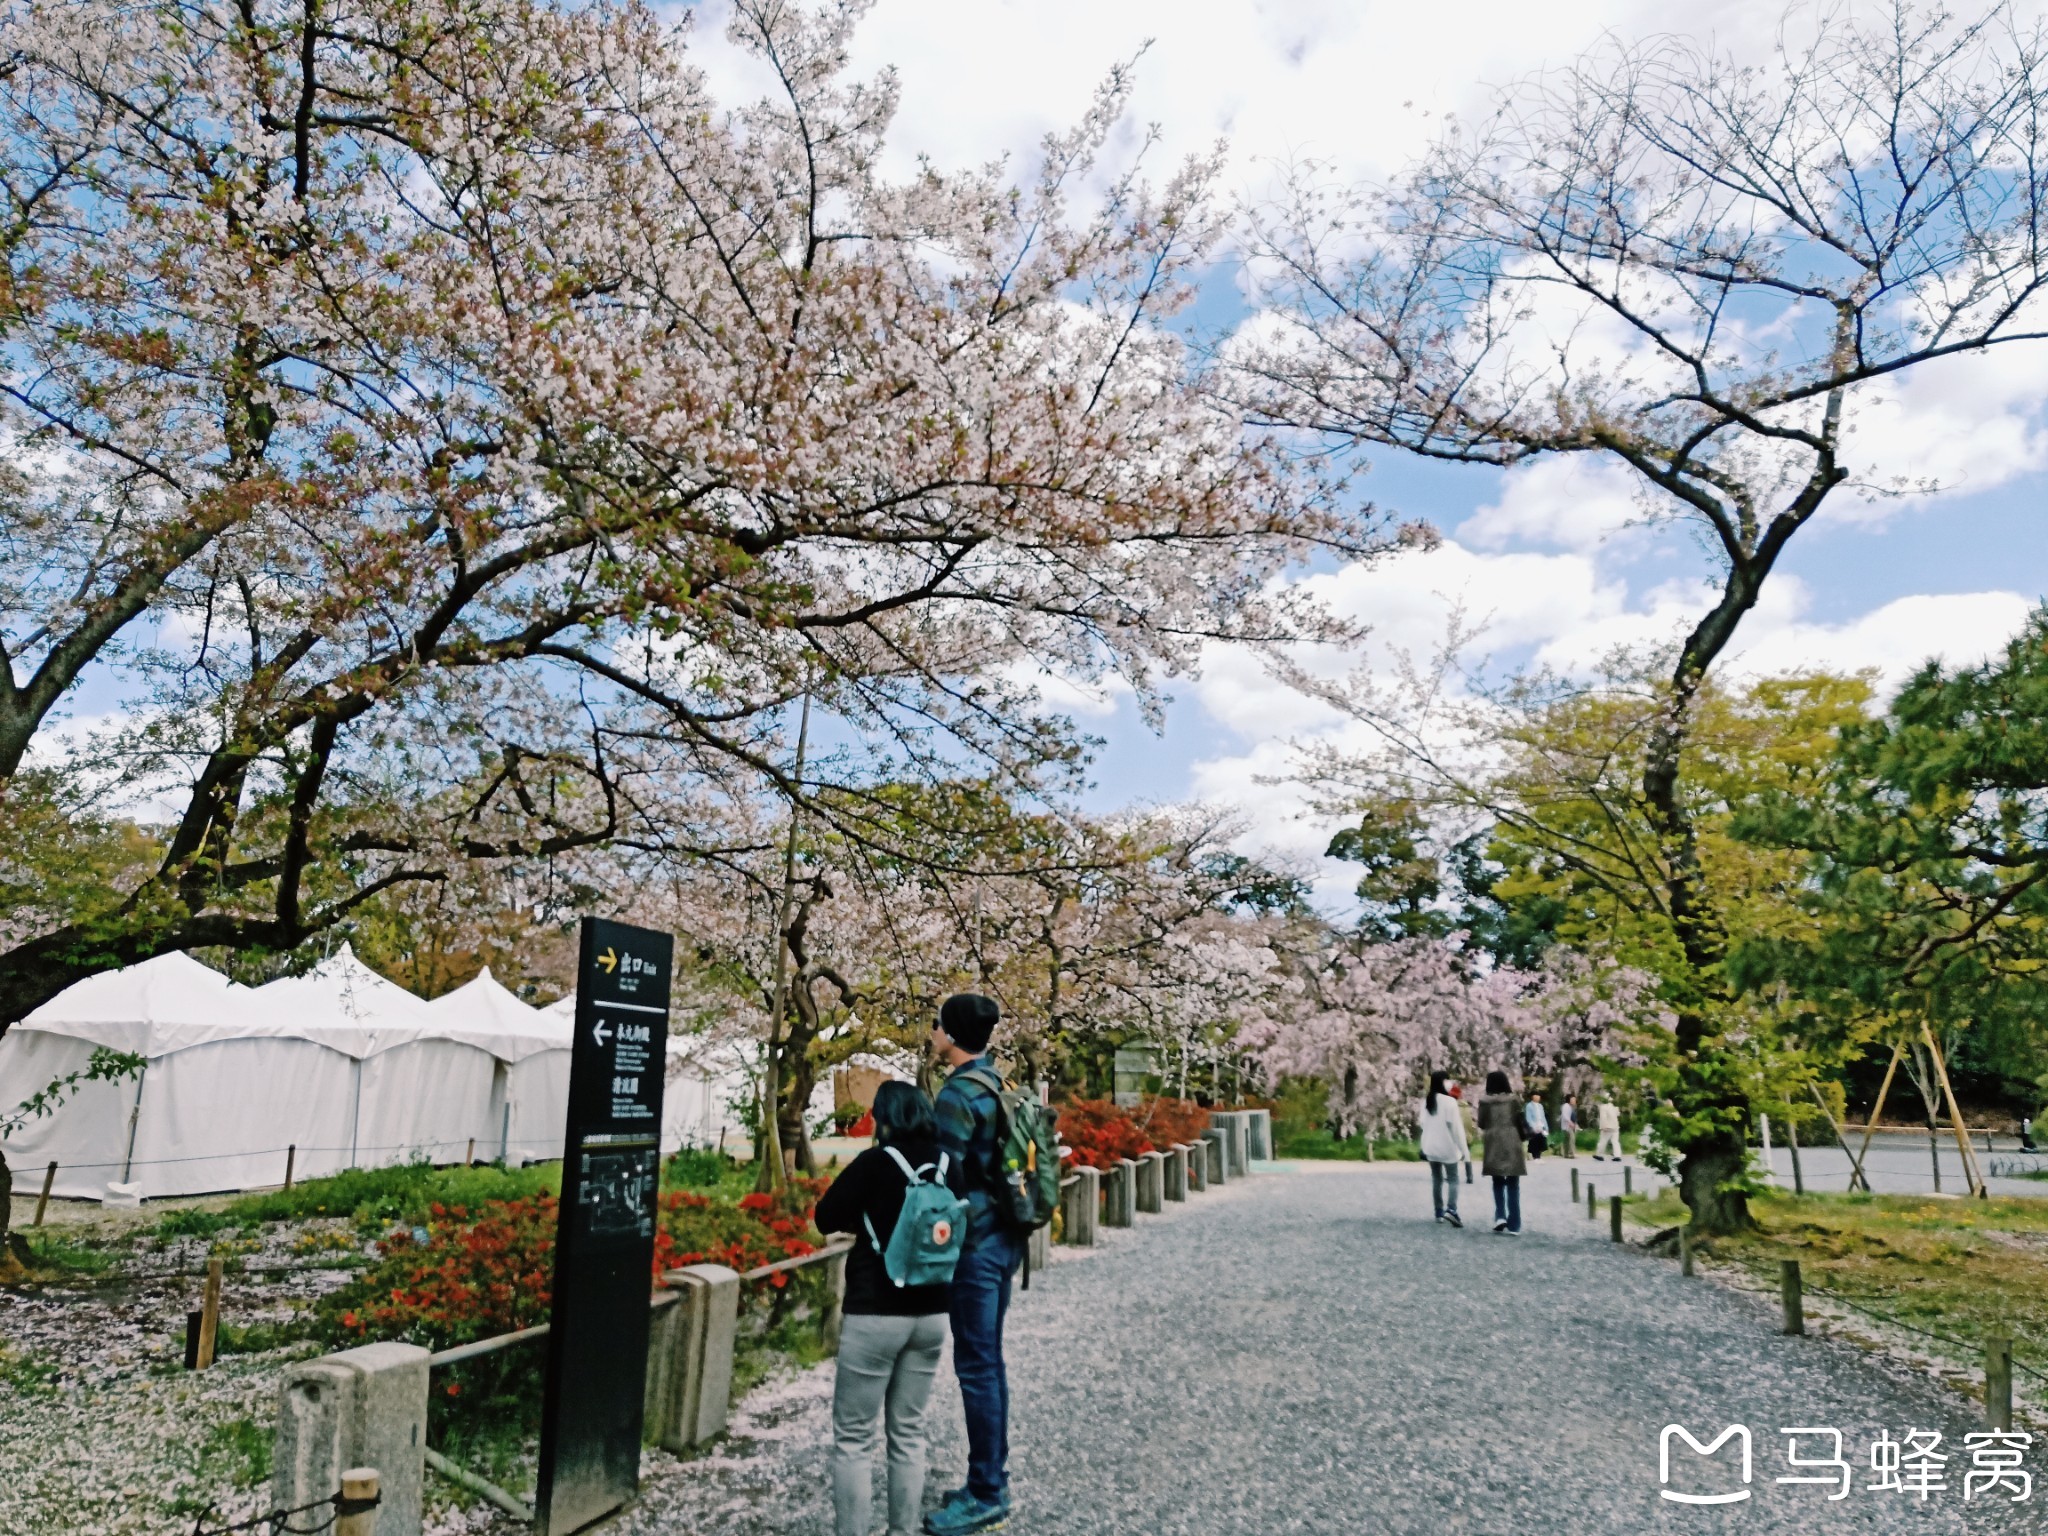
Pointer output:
599, 1033
609, 959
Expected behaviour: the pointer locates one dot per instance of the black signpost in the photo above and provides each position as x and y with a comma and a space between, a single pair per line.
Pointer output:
604, 1248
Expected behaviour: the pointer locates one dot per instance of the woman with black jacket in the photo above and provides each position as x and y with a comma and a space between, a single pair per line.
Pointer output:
891, 1335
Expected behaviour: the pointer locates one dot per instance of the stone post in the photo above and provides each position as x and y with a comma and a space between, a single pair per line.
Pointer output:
1215, 1139
1082, 1199
1230, 1124
1119, 1194
1176, 1173
699, 1377
658, 1396
835, 1304
1040, 1248
1198, 1165
1261, 1123
364, 1407
1152, 1183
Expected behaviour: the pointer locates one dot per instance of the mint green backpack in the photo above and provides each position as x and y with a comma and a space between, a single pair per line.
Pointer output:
925, 1247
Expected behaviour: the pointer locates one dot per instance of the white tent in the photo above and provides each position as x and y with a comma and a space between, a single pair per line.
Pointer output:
225, 1090
533, 1043
422, 1089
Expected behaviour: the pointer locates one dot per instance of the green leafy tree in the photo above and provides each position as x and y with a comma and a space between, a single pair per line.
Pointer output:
1924, 865
1402, 880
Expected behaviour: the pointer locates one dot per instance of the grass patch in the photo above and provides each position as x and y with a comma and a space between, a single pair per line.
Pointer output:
484, 1415
381, 1197
31, 1375
190, 1221
241, 1449
51, 1253
1963, 1268
707, 1171
1318, 1142
258, 1337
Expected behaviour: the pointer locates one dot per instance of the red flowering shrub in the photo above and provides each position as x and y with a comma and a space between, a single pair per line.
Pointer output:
1100, 1132
464, 1276
695, 1229
1172, 1122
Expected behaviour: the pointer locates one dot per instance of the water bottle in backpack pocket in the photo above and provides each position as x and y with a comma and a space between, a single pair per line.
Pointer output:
925, 1247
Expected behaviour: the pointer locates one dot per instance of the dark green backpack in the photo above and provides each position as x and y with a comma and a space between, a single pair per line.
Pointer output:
1027, 1155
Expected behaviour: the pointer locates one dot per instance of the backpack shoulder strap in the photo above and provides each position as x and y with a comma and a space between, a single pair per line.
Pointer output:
984, 1077
903, 1162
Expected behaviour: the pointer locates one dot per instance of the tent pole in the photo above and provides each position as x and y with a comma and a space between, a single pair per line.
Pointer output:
505, 1131
134, 1123
355, 1122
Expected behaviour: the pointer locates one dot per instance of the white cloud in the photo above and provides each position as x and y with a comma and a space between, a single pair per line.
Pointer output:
1574, 502
1562, 614
1966, 423
1365, 85
1957, 628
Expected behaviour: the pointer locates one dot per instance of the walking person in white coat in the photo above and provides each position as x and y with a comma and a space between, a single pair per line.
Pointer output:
1610, 1132
1443, 1145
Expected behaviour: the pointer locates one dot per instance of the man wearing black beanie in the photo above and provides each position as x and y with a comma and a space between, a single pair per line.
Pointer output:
970, 1132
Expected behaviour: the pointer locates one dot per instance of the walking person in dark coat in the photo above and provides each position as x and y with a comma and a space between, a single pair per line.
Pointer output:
1502, 1128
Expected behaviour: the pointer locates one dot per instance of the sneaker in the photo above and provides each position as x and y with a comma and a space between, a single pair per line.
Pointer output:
1439, 1215
958, 1517
1452, 1218
1500, 1226
1512, 1231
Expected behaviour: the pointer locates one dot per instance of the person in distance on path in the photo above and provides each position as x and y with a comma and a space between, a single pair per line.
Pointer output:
891, 1335
1610, 1131
1538, 1123
1443, 1145
970, 1132
1568, 1126
1500, 1123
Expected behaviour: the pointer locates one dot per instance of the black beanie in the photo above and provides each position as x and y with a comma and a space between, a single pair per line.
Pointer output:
969, 1019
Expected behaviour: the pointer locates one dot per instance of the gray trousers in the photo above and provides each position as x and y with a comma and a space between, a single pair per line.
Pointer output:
1443, 1187
886, 1366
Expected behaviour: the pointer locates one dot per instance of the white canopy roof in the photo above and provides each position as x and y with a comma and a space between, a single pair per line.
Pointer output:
345, 1005
152, 1008
486, 1010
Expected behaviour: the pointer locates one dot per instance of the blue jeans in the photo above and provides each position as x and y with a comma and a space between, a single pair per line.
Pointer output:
981, 1296
1443, 1186
1507, 1203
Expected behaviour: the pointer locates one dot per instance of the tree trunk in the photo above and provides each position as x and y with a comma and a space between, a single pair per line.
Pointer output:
1922, 1073
801, 1077
1711, 1163
1792, 1144
6, 1200
1714, 1159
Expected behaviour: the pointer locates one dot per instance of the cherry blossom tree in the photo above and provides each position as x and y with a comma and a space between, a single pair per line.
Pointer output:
1705, 275
448, 430
1379, 1017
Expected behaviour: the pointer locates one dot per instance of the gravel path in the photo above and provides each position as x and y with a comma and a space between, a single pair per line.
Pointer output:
1308, 1352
